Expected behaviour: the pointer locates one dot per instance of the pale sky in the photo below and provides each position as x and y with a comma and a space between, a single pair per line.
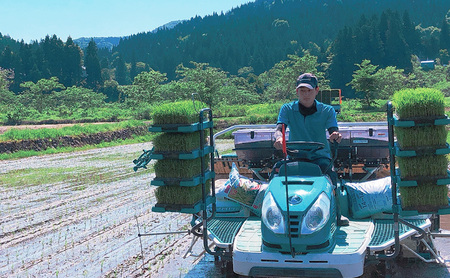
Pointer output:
34, 19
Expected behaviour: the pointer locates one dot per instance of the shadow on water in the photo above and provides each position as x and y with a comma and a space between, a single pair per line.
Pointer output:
206, 268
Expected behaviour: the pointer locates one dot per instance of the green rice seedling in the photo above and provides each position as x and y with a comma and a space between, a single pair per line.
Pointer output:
180, 195
425, 197
414, 137
423, 166
177, 142
178, 168
420, 102
182, 112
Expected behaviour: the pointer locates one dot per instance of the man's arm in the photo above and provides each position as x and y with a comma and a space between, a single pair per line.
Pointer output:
334, 134
279, 136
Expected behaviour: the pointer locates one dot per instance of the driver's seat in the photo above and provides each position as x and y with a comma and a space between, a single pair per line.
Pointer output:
300, 168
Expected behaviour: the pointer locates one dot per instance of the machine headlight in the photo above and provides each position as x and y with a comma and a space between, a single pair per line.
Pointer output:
317, 216
271, 215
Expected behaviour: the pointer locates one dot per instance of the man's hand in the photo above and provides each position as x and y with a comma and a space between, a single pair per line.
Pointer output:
278, 143
335, 136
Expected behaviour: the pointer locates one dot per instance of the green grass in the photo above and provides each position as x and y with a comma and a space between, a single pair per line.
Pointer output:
39, 176
78, 129
21, 154
353, 110
76, 178
420, 102
225, 111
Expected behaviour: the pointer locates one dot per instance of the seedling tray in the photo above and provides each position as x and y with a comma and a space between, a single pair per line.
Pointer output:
438, 180
182, 128
421, 151
413, 211
183, 208
183, 182
182, 155
422, 121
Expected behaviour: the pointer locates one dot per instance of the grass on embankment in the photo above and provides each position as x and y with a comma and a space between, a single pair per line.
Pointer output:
21, 154
75, 130
224, 116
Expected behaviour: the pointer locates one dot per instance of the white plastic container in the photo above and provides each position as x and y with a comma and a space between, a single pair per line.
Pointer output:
364, 144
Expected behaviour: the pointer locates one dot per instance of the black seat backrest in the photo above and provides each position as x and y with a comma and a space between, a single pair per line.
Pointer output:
300, 168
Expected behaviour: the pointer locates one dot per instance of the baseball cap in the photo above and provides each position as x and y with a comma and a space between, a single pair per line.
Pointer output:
308, 80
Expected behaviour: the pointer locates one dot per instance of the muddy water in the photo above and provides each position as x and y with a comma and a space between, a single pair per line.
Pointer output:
69, 229
86, 225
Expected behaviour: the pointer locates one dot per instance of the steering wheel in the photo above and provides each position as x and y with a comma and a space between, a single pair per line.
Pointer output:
303, 149
304, 146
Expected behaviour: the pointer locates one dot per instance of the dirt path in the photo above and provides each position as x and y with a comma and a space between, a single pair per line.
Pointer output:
76, 215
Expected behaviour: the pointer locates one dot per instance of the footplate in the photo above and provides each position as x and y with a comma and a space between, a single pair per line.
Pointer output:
383, 235
223, 230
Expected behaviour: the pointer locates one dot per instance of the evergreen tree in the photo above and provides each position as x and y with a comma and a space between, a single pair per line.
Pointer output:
92, 64
35, 74
53, 49
133, 69
396, 50
41, 70
26, 61
72, 63
367, 40
343, 59
444, 39
7, 58
412, 36
121, 71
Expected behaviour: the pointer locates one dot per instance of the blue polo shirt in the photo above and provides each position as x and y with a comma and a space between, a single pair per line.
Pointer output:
309, 128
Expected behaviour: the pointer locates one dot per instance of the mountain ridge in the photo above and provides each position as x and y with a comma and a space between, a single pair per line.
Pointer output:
110, 42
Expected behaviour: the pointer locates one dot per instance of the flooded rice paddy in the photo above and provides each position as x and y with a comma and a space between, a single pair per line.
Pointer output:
78, 215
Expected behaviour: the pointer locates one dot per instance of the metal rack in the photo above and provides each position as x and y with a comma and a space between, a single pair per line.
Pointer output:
425, 237
204, 123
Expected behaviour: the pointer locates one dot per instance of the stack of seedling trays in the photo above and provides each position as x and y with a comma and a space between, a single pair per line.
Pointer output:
183, 171
421, 151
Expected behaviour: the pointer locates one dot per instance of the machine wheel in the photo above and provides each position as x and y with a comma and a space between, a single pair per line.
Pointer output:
379, 271
229, 270
217, 261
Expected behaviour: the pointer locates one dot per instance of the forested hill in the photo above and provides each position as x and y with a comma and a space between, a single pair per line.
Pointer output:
255, 37
262, 33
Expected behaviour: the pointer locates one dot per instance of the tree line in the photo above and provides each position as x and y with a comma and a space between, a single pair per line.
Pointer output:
50, 99
256, 35
249, 55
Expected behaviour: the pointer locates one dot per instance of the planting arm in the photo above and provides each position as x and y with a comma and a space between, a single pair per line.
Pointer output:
143, 160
